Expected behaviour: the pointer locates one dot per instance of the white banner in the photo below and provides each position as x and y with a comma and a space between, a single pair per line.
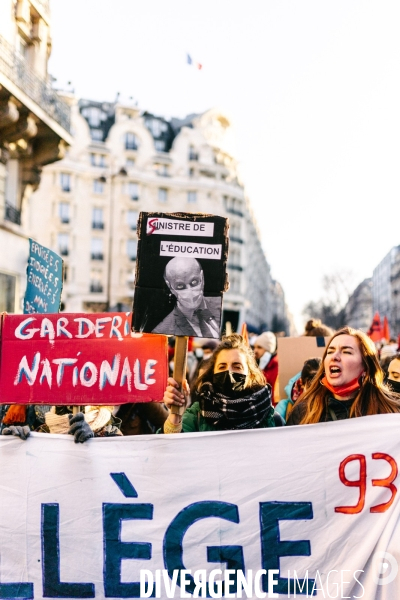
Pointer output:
313, 507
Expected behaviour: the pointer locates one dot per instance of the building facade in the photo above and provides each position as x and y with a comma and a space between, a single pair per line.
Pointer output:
124, 161
385, 288
358, 310
34, 131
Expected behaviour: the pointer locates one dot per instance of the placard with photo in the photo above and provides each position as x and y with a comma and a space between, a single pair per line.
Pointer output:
180, 274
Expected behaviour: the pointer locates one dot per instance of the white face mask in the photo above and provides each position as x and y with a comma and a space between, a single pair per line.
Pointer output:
264, 360
191, 298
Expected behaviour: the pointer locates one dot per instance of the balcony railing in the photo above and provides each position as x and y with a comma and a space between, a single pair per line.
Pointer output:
238, 240
12, 214
97, 256
44, 4
15, 68
63, 251
97, 225
96, 288
235, 267
234, 211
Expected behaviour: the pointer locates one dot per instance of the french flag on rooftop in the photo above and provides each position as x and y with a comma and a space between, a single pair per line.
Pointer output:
193, 63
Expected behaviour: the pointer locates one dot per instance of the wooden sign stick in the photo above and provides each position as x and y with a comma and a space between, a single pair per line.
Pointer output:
180, 360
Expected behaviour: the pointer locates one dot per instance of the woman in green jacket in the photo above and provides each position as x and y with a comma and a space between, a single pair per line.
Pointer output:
230, 395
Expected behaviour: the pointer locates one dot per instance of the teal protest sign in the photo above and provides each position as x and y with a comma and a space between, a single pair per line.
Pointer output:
44, 280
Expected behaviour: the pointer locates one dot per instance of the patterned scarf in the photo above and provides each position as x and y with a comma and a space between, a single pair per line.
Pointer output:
247, 412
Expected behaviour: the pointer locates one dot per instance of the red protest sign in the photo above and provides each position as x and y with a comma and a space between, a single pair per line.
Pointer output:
80, 359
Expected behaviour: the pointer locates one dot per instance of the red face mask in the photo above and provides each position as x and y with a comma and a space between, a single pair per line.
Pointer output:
342, 390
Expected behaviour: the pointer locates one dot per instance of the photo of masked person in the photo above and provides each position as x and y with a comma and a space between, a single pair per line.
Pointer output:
194, 314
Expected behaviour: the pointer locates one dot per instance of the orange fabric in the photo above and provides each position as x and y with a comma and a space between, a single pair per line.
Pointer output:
245, 334
15, 414
375, 331
386, 331
342, 390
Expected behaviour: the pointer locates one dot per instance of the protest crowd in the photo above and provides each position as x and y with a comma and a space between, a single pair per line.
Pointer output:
172, 366
232, 384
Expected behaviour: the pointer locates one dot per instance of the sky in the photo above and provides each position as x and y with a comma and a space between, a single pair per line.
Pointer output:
313, 92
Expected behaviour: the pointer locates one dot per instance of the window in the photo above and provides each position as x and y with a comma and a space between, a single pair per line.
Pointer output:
162, 195
63, 244
132, 217
65, 182
98, 160
94, 116
97, 218
96, 135
162, 170
234, 284
133, 190
96, 284
131, 249
96, 249
159, 145
156, 127
191, 172
63, 209
98, 186
192, 197
192, 154
130, 141
7, 292
21, 47
130, 162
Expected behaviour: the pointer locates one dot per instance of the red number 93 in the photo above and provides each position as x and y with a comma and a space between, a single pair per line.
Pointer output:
361, 483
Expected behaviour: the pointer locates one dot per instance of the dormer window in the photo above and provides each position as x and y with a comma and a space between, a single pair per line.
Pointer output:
131, 142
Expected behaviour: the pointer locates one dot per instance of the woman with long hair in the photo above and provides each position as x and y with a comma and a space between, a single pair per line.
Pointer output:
348, 383
230, 394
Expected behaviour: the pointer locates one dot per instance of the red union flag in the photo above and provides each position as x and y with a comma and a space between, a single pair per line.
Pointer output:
80, 359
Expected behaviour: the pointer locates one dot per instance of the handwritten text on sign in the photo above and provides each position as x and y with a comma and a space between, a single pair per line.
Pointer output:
44, 280
80, 359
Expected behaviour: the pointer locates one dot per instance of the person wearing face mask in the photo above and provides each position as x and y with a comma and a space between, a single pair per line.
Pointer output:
194, 314
265, 348
393, 377
348, 384
231, 394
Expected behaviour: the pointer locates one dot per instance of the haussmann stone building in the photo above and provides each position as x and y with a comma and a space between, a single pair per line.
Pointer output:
34, 131
124, 161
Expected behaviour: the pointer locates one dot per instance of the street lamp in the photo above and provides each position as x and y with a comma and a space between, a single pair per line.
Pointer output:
122, 172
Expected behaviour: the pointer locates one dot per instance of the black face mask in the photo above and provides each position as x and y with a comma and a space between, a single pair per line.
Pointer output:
229, 384
394, 385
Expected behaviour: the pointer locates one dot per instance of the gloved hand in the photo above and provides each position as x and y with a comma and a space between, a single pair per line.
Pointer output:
79, 428
20, 431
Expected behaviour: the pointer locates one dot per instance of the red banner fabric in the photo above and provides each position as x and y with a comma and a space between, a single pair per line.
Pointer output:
80, 359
